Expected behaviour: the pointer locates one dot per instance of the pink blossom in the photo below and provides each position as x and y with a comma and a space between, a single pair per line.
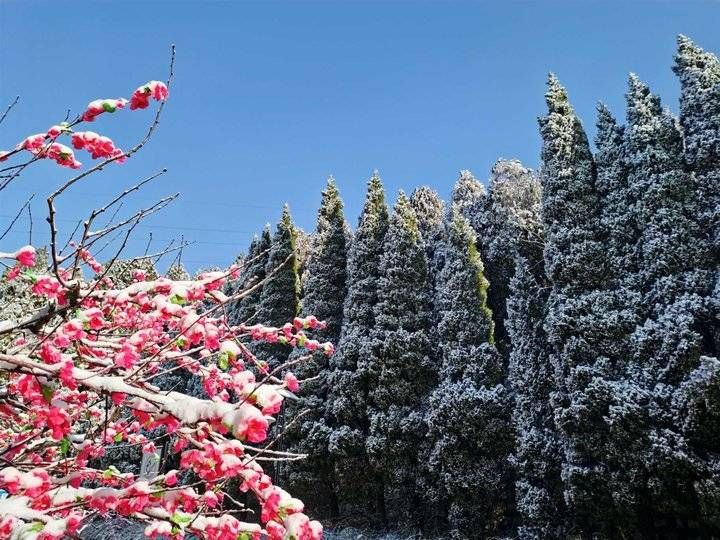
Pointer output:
49, 353
98, 146
171, 478
55, 131
127, 357
26, 256
141, 97
100, 106
13, 273
46, 286
33, 143
292, 382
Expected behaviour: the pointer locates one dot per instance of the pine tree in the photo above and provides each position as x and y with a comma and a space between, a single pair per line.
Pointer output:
324, 292
581, 322
279, 297
429, 210
617, 202
508, 224
252, 274
177, 272
469, 197
400, 370
357, 486
699, 74
674, 280
538, 453
469, 414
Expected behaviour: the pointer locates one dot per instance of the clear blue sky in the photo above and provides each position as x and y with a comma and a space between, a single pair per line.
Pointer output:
271, 97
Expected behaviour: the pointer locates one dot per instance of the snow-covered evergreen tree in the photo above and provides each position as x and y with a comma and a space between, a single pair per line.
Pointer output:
581, 323
324, 288
538, 453
244, 310
469, 414
699, 74
122, 271
508, 224
429, 210
357, 486
177, 272
617, 202
279, 297
674, 282
469, 197
400, 368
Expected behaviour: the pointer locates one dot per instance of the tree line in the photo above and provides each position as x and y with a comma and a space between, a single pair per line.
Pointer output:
540, 356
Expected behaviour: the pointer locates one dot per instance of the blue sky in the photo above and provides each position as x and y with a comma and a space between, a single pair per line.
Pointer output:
271, 97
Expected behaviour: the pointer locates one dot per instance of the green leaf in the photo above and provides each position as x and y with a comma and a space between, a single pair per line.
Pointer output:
223, 361
180, 519
36, 527
47, 392
107, 107
177, 299
118, 437
65, 446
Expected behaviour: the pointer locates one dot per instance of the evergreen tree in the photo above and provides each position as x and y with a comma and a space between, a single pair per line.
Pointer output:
400, 370
469, 416
617, 202
279, 297
469, 198
357, 487
429, 209
538, 453
508, 224
177, 272
581, 322
252, 273
699, 74
324, 292
674, 282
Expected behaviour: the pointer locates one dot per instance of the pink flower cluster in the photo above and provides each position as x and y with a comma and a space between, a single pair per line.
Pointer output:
61, 154
100, 106
141, 97
292, 334
43, 145
98, 146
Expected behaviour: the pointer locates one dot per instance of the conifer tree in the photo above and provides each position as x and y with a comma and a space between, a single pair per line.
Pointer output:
674, 280
578, 311
177, 272
324, 288
538, 453
469, 197
429, 209
508, 224
279, 297
469, 415
244, 310
357, 486
699, 74
617, 203
400, 369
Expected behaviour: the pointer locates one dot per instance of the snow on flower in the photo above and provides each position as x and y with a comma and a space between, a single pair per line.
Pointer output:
141, 97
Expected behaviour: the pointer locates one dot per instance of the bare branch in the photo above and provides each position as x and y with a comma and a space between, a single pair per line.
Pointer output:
17, 216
